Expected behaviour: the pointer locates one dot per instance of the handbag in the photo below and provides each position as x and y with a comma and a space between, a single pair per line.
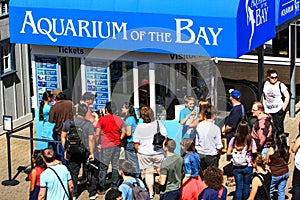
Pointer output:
158, 138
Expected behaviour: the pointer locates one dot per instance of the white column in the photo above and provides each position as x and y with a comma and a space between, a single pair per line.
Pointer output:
83, 75
152, 87
189, 79
136, 85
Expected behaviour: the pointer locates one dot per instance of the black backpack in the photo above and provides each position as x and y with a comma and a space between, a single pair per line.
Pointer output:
74, 146
138, 193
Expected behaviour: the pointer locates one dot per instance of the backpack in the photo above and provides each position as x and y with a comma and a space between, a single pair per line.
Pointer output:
138, 193
74, 146
268, 123
239, 158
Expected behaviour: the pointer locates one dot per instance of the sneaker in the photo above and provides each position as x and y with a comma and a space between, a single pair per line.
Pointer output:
94, 197
151, 196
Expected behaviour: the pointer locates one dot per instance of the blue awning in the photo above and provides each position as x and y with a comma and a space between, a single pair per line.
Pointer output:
217, 28
287, 10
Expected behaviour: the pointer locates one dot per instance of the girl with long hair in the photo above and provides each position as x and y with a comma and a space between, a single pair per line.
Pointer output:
242, 144
34, 176
131, 122
192, 185
261, 179
278, 158
44, 128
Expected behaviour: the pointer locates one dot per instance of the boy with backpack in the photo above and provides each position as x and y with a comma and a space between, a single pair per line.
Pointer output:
131, 188
77, 137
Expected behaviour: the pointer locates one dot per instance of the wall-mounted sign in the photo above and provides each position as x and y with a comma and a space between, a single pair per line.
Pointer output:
7, 123
46, 74
98, 82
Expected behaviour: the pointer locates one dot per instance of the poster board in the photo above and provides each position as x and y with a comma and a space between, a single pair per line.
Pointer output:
46, 74
98, 82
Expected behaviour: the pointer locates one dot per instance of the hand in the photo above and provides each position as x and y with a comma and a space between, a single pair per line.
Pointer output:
67, 156
99, 147
91, 157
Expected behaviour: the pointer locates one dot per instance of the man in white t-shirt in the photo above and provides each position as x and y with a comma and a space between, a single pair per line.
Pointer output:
208, 140
274, 92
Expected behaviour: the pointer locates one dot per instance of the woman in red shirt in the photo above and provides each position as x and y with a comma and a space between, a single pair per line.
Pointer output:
35, 174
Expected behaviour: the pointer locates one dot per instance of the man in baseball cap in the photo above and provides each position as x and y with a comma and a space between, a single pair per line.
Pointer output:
235, 94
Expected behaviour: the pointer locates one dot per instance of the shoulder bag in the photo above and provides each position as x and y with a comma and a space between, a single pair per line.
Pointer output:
60, 182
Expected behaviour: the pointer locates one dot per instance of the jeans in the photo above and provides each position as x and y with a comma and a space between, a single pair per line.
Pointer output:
281, 182
132, 157
109, 155
242, 176
278, 119
74, 168
172, 195
296, 184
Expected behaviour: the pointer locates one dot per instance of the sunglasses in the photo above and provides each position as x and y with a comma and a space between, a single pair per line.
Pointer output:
273, 77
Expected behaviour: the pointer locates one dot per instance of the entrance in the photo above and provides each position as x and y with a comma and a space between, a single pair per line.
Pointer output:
70, 77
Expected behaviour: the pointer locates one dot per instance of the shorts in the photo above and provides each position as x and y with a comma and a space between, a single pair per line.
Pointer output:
150, 162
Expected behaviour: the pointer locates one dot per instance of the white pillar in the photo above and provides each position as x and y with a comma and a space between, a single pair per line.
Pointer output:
152, 87
136, 85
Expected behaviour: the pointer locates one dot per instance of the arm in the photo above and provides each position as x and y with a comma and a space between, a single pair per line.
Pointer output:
32, 181
255, 184
226, 129
269, 153
91, 147
97, 138
136, 147
123, 133
185, 179
63, 138
296, 145
229, 151
42, 193
128, 131
194, 123
71, 188
162, 179
286, 102
192, 114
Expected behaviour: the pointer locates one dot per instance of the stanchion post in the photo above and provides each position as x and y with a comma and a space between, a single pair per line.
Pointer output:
31, 143
8, 154
8, 127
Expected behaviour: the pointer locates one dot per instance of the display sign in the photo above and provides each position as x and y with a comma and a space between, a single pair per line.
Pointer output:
287, 9
7, 123
98, 83
46, 74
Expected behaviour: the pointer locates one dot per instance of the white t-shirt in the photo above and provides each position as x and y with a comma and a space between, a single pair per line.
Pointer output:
272, 101
144, 134
208, 138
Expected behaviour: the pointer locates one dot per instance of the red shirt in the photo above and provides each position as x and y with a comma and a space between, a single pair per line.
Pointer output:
110, 126
38, 170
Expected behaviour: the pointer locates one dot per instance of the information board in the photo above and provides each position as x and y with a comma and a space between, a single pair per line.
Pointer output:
98, 83
46, 74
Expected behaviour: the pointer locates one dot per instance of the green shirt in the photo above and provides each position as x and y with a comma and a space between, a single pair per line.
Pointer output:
172, 168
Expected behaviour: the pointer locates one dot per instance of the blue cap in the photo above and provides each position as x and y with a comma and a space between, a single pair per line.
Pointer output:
235, 94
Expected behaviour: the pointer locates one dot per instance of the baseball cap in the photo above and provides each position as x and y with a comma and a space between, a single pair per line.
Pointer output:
235, 93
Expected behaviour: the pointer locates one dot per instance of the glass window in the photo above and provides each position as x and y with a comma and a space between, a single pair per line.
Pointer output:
6, 55
278, 46
4, 7
121, 74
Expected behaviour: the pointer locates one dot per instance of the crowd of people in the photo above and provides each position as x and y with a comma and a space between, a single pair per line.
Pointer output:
78, 138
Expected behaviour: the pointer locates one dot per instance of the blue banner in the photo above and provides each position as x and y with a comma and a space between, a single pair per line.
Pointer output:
286, 10
228, 28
